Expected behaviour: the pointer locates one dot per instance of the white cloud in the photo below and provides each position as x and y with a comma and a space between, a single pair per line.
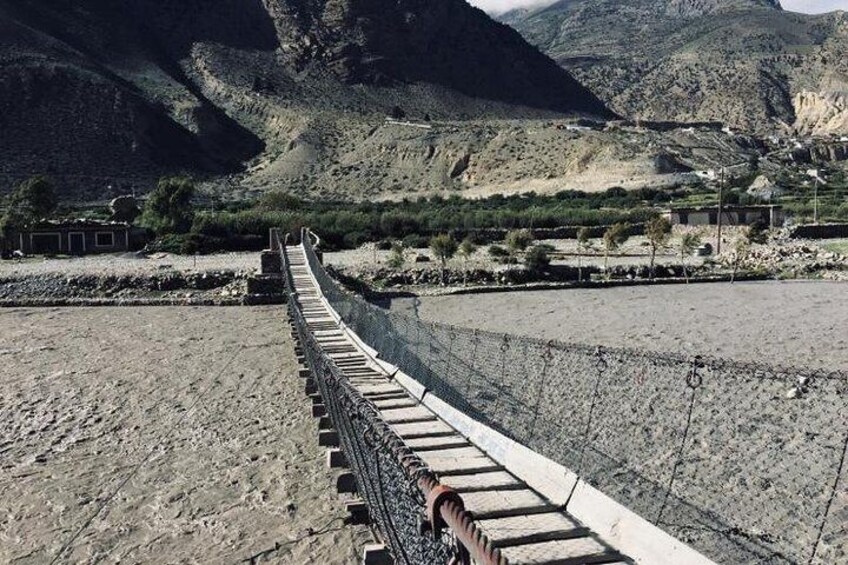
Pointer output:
807, 6
814, 6
501, 6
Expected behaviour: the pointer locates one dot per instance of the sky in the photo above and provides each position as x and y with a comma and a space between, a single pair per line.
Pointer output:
808, 6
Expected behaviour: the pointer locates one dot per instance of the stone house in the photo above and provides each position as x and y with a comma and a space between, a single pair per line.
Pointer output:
73, 237
772, 215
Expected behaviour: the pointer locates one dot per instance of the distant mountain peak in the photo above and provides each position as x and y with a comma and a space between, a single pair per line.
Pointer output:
738, 61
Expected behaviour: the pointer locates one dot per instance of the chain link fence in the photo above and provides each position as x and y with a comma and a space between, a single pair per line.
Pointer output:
745, 462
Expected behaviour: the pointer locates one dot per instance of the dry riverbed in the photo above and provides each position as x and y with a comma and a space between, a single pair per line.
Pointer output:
160, 435
795, 323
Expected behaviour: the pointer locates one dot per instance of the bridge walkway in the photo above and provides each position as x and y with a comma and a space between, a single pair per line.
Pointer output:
527, 528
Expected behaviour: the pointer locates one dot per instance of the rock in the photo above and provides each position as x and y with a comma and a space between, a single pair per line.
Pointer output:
793, 393
460, 166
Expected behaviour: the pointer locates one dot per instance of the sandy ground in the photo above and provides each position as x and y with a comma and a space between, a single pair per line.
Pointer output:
151, 435
795, 323
130, 264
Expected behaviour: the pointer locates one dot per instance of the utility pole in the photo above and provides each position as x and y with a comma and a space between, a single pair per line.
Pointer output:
814, 173
816, 199
720, 206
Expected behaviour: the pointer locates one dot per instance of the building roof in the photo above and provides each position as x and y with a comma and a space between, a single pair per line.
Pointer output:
76, 223
726, 208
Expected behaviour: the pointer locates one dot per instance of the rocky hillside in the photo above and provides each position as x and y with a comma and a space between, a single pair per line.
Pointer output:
747, 63
108, 94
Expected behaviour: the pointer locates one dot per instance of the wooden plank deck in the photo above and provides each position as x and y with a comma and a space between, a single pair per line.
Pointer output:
528, 528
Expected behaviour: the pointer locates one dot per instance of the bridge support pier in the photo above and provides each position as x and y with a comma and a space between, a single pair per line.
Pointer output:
318, 410
346, 483
358, 511
328, 438
336, 459
376, 554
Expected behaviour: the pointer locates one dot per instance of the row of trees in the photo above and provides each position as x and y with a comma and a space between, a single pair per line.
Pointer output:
168, 209
537, 256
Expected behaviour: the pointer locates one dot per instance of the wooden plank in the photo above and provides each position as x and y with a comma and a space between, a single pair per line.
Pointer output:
380, 389
476, 482
468, 451
460, 461
504, 503
395, 403
463, 466
402, 415
423, 429
533, 528
421, 445
578, 551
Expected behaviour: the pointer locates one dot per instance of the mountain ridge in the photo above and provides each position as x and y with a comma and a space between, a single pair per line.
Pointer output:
136, 89
743, 63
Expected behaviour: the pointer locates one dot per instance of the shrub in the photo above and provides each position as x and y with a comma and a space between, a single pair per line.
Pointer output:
657, 230
467, 248
757, 232
355, 239
397, 258
280, 201
415, 241
498, 252
168, 209
614, 238
519, 240
444, 247
537, 258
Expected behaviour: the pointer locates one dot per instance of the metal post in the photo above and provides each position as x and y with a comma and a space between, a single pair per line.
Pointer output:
720, 206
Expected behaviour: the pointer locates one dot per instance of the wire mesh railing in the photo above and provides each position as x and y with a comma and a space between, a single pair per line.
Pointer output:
745, 462
419, 520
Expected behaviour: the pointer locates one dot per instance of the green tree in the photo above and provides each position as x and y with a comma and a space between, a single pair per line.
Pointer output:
584, 237
584, 245
757, 233
657, 230
397, 256
34, 199
615, 236
740, 254
689, 243
538, 258
169, 208
444, 247
519, 240
278, 200
466, 249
